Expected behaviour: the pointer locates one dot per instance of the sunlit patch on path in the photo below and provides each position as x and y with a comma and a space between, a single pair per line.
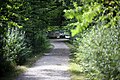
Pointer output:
52, 66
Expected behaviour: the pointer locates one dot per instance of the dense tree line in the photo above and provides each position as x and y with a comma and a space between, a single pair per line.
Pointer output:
23, 26
96, 26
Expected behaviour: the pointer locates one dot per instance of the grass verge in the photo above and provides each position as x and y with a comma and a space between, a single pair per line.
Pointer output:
75, 69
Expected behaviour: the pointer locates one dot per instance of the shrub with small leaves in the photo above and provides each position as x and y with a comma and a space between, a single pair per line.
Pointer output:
41, 42
16, 49
98, 53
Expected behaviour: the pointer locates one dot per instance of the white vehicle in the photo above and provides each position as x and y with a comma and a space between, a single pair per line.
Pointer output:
67, 36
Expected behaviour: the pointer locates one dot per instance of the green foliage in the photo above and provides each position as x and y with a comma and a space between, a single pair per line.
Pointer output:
83, 15
92, 12
10, 16
42, 15
41, 43
16, 49
95, 24
32, 17
98, 54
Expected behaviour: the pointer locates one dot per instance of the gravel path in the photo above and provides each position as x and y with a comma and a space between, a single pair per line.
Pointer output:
52, 66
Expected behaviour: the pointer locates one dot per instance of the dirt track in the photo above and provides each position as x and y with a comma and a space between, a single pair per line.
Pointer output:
52, 66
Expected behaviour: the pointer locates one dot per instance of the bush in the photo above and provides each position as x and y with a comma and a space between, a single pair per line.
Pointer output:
16, 49
41, 42
98, 53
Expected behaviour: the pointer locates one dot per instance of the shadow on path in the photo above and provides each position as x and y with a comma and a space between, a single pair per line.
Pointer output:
52, 66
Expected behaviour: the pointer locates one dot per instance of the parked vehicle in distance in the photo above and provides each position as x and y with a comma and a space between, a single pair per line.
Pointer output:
53, 34
67, 36
58, 34
62, 34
